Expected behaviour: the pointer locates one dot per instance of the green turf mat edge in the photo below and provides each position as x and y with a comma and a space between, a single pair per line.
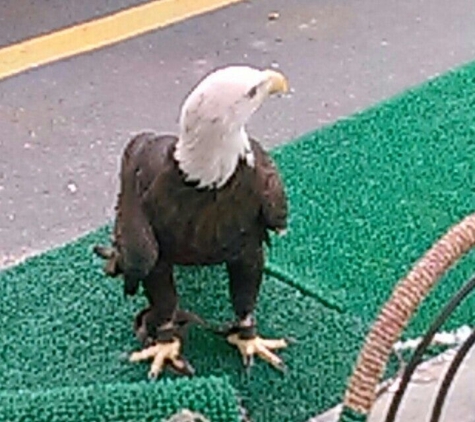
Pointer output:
214, 398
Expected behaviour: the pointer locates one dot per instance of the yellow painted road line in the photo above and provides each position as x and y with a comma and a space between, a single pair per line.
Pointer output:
99, 33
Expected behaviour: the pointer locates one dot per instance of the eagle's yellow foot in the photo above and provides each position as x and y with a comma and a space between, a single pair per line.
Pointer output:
248, 347
163, 354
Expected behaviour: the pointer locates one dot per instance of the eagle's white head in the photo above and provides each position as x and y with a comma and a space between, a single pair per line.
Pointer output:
212, 135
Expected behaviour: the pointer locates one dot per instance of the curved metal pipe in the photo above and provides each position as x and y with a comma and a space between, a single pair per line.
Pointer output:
449, 376
423, 345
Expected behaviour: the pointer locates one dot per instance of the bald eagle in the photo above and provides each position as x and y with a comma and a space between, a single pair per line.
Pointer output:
207, 196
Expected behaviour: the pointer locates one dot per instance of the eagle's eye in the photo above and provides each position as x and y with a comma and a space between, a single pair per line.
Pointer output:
252, 92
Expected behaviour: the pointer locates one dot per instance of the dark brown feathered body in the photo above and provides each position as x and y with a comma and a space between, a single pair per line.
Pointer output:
159, 215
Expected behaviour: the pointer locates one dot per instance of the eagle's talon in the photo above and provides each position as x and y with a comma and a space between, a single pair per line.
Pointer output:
151, 376
248, 361
162, 355
182, 367
123, 356
260, 347
111, 256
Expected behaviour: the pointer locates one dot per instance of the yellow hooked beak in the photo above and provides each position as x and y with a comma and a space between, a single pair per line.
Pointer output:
277, 81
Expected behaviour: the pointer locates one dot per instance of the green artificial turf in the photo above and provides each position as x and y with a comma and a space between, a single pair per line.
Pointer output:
349, 415
67, 326
368, 196
121, 402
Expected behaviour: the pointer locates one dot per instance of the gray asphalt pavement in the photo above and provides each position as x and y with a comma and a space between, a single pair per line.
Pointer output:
24, 19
